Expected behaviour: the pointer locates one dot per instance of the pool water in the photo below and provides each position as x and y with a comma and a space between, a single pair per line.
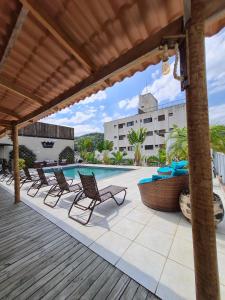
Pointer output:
100, 172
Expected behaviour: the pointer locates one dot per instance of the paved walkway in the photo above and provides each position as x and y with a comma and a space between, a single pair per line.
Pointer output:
38, 260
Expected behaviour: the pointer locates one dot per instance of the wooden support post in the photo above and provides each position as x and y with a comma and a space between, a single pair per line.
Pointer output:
16, 163
203, 227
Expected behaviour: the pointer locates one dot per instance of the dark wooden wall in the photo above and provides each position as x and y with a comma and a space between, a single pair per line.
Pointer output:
48, 131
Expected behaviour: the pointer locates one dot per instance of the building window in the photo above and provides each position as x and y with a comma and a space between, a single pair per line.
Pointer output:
161, 118
156, 146
115, 137
148, 147
115, 126
115, 148
171, 129
162, 132
121, 137
121, 125
122, 148
131, 123
149, 133
141, 120
147, 120
130, 148
170, 114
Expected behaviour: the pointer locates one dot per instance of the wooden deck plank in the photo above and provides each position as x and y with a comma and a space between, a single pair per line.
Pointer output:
98, 283
40, 260
130, 290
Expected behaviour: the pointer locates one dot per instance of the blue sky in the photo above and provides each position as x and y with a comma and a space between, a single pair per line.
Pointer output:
121, 100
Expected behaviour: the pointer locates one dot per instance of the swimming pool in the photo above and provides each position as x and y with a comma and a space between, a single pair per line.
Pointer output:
100, 172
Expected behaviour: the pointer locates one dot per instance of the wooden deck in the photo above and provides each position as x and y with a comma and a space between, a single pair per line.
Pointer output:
40, 260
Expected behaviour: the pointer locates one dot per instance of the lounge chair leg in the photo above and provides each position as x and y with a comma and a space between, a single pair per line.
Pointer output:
53, 205
37, 189
120, 203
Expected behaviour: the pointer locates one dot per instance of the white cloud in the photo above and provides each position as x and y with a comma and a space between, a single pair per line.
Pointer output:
84, 129
99, 96
215, 49
165, 87
101, 107
129, 103
217, 114
78, 118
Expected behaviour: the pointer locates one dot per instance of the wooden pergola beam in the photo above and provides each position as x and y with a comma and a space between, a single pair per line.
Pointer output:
20, 91
62, 37
5, 123
133, 57
9, 113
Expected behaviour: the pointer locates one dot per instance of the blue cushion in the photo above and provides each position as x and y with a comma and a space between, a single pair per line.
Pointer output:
165, 169
178, 172
160, 177
179, 164
145, 180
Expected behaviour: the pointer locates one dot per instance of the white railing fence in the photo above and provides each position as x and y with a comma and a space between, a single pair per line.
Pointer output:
219, 165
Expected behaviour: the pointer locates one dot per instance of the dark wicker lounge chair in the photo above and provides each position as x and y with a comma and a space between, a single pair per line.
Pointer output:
63, 187
29, 177
42, 181
4, 173
91, 191
164, 194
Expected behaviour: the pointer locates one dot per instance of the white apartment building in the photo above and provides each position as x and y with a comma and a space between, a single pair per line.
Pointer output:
158, 121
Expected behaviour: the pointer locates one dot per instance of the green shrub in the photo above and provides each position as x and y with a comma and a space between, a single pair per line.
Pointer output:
22, 163
128, 161
67, 154
152, 160
26, 154
90, 158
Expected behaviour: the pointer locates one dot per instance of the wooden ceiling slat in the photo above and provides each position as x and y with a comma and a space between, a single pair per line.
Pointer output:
20, 91
42, 16
9, 113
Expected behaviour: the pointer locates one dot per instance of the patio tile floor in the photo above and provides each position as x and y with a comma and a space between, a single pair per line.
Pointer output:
154, 248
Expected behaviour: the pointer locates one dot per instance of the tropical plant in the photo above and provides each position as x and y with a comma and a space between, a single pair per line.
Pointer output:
105, 145
152, 160
26, 154
118, 157
162, 155
91, 158
128, 161
136, 138
178, 149
179, 142
106, 159
85, 145
22, 163
68, 154
217, 138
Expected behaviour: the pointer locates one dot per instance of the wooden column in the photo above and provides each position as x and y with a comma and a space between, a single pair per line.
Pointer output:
16, 163
203, 228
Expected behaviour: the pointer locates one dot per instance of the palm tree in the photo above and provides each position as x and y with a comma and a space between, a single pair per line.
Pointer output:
105, 145
118, 157
179, 143
178, 149
136, 138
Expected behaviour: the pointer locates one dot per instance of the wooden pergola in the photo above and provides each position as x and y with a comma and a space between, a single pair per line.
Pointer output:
55, 53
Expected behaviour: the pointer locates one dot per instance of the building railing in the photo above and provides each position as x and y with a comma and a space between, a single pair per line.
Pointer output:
219, 165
